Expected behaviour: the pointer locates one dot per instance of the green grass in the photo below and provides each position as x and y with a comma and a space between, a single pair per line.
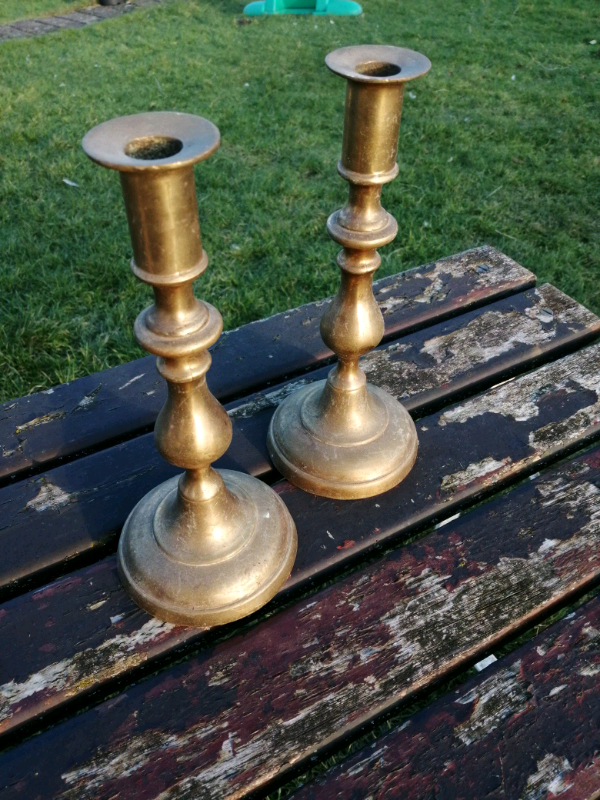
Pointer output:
12, 10
484, 157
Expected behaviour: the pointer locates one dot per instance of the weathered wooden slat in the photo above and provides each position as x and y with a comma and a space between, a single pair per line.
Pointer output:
84, 503
96, 632
435, 365
232, 718
528, 727
100, 409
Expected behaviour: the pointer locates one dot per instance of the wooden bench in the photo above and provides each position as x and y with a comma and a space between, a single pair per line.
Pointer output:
388, 596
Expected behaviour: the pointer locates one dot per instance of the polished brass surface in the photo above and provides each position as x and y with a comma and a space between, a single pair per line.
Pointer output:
210, 546
343, 438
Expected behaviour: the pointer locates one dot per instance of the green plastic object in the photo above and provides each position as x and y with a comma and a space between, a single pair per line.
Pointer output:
338, 7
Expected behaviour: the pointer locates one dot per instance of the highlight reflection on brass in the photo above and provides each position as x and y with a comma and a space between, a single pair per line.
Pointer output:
342, 438
210, 546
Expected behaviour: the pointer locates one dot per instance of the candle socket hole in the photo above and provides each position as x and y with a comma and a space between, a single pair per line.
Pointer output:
153, 148
378, 69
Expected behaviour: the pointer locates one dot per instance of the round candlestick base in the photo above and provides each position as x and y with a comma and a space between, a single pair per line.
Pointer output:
314, 453
209, 587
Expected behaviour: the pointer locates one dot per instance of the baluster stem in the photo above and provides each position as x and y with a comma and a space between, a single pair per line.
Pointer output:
209, 546
342, 437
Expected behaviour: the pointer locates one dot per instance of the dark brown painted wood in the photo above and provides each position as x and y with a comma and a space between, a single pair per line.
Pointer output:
101, 409
528, 727
466, 451
433, 366
83, 504
237, 714
232, 718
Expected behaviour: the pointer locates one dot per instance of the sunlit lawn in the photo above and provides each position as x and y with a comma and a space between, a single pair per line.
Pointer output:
499, 145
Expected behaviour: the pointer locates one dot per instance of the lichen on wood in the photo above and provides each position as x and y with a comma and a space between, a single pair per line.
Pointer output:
207, 729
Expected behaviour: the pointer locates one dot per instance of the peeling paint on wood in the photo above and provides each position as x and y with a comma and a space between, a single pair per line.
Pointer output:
551, 778
540, 745
89, 399
123, 474
50, 497
433, 284
494, 700
123, 638
584, 375
262, 400
123, 406
435, 487
422, 367
131, 380
240, 713
480, 341
44, 420
413, 616
481, 469
447, 475
433, 292
71, 676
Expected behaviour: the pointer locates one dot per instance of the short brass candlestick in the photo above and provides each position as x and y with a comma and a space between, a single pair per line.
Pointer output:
209, 546
342, 438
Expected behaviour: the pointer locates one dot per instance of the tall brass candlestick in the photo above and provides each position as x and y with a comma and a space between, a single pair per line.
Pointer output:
209, 546
343, 438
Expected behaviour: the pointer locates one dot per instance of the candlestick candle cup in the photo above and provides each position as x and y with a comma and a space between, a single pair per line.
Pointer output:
210, 546
344, 438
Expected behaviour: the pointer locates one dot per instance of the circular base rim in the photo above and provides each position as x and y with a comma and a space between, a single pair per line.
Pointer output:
139, 555
287, 443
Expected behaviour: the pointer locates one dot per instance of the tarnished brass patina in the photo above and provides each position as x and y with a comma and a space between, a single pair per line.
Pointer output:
343, 438
210, 546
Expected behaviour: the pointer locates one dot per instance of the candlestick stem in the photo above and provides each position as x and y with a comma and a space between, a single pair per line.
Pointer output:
342, 437
209, 546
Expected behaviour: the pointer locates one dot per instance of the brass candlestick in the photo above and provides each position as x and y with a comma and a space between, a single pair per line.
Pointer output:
342, 438
210, 546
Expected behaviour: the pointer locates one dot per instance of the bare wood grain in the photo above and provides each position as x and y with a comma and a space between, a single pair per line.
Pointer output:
101, 409
528, 727
89, 632
234, 717
73, 508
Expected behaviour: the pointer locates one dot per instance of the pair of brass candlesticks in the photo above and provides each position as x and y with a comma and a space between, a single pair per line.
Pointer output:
211, 546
